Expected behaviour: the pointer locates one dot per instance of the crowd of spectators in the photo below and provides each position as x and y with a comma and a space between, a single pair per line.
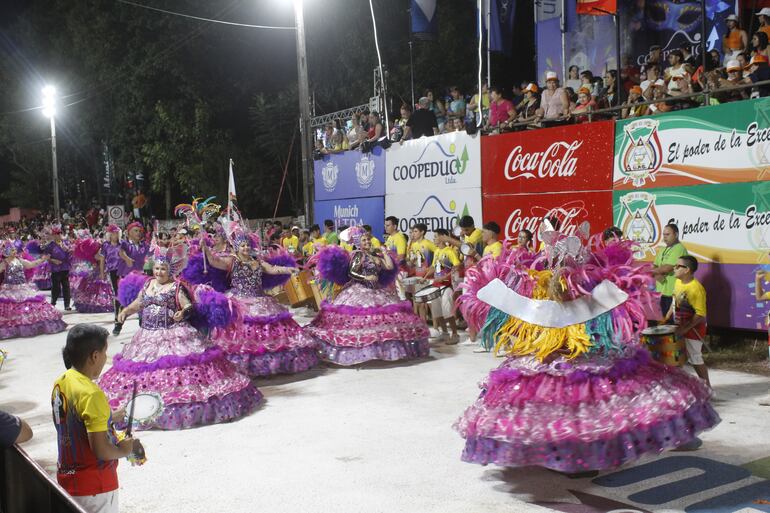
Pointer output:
668, 81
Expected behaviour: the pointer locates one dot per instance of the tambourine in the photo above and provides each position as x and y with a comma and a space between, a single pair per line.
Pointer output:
457, 231
466, 249
147, 408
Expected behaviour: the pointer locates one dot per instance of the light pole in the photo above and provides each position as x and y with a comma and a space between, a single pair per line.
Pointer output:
49, 111
304, 112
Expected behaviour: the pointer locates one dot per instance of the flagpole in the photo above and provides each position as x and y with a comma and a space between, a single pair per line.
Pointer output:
481, 60
489, 52
411, 57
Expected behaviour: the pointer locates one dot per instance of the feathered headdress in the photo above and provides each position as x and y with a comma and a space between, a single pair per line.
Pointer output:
174, 256
353, 235
198, 213
237, 233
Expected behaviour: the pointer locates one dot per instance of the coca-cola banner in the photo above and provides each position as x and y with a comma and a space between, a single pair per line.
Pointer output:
517, 212
447, 161
568, 158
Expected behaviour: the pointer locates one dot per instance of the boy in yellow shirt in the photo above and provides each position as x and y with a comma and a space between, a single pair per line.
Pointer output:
688, 310
446, 262
291, 242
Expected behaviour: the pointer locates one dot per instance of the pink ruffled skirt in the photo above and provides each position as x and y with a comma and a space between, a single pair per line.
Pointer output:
365, 324
197, 383
267, 340
24, 312
591, 413
93, 296
42, 276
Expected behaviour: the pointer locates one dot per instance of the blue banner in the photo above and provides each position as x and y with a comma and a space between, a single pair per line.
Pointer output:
350, 175
349, 212
424, 19
501, 17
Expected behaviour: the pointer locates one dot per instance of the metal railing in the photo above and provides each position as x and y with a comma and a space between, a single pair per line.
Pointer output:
590, 113
25, 487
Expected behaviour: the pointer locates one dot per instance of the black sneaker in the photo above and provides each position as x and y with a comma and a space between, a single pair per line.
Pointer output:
116, 329
67, 309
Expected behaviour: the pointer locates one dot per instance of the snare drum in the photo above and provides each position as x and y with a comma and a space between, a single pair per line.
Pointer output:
664, 345
428, 294
411, 284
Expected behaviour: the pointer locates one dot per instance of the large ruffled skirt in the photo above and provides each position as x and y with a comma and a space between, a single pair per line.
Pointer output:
81, 270
590, 413
24, 312
197, 383
266, 340
93, 295
42, 276
363, 324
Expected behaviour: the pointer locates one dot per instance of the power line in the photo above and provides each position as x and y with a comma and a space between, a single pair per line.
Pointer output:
205, 19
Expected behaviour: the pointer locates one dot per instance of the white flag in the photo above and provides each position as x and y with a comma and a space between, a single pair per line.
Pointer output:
231, 197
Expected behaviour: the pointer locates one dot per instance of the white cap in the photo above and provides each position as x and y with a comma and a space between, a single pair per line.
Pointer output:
733, 65
551, 75
765, 11
734, 18
659, 82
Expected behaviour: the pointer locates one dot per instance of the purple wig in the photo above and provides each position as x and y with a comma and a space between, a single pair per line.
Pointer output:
333, 264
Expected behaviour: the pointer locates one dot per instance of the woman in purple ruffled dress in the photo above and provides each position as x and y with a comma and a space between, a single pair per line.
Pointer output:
93, 293
367, 320
24, 312
171, 358
266, 340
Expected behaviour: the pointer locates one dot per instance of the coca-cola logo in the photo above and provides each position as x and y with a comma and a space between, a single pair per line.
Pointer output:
559, 160
570, 215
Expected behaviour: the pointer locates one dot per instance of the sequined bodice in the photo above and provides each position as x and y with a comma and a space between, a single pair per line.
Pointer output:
158, 308
14, 273
364, 265
245, 280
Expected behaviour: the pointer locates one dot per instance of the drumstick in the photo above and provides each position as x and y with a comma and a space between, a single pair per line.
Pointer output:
131, 412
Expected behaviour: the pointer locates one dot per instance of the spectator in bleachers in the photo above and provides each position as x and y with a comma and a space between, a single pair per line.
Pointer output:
527, 108
376, 130
554, 100
675, 71
473, 105
585, 103
398, 132
501, 111
654, 60
573, 97
648, 85
609, 93
518, 94
423, 122
659, 94
458, 125
758, 71
436, 106
743, 59
759, 44
456, 108
734, 78
689, 59
632, 109
764, 21
736, 39
588, 80
573, 78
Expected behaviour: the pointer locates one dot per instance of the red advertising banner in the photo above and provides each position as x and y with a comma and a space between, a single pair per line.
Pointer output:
559, 159
525, 211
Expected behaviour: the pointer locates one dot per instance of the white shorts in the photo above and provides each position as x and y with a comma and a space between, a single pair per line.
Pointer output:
99, 503
443, 306
694, 351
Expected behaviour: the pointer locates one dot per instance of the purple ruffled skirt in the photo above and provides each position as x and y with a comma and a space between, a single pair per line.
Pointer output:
93, 296
42, 276
591, 413
365, 324
24, 312
267, 340
197, 383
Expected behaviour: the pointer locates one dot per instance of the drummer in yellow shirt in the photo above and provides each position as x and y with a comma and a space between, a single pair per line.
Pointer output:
396, 241
446, 263
492, 246
375, 241
315, 243
291, 242
421, 251
470, 234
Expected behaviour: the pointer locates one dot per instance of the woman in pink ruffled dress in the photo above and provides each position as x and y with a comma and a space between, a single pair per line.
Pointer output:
171, 358
367, 320
266, 340
24, 312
